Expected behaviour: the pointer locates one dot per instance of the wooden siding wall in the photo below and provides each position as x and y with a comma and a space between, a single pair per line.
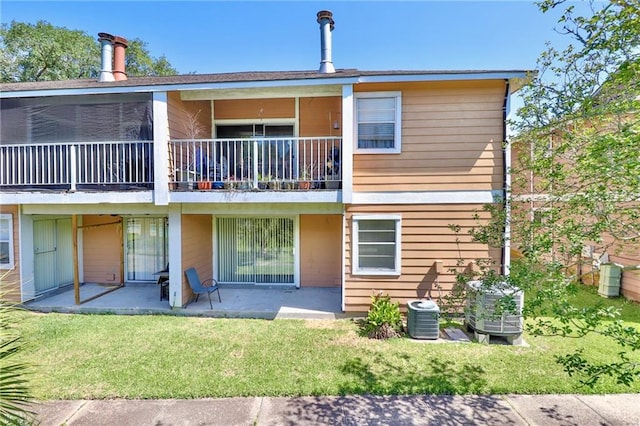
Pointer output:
197, 249
627, 255
254, 108
317, 116
102, 249
426, 237
320, 250
10, 279
180, 111
451, 139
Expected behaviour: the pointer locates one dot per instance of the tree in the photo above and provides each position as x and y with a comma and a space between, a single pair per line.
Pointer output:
41, 51
576, 178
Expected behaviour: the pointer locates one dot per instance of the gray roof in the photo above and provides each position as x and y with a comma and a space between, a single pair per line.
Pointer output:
237, 77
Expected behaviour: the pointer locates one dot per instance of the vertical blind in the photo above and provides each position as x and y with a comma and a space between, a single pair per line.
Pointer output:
376, 122
255, 250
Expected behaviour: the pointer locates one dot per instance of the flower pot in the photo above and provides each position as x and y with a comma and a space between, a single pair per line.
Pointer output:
304, 184
204, 185
262, 185
229, 185
275, 184
290, 185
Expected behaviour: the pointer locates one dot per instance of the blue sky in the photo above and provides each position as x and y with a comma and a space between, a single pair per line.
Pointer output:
226, 36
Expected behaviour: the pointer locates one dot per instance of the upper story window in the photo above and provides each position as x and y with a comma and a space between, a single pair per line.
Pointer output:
378, 117
6, 241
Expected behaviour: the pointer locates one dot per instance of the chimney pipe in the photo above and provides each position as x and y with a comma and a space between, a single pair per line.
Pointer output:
325, 19
106, 73
119, 46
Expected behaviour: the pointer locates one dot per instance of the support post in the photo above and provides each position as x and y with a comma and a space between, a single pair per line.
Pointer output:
73, 175
76, 275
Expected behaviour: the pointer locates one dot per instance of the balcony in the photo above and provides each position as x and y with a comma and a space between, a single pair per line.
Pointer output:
255, 165
262, 164
77, 166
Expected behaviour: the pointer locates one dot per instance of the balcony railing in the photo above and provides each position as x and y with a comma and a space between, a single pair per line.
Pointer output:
261, 163
77, 165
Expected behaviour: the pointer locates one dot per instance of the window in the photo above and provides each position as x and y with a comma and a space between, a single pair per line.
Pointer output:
6, 241
376, 245
378, 118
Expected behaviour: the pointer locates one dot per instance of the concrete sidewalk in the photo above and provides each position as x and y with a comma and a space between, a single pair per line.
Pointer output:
547, 410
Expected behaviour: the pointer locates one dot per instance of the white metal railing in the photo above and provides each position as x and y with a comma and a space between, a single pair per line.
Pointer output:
73, 164
263, 163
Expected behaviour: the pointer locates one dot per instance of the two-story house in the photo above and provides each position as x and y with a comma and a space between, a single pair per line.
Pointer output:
334, 177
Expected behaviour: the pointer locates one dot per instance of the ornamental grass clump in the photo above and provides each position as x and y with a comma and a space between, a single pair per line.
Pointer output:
383, 319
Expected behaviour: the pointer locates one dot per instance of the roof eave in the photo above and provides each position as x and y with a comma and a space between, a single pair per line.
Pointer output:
363, 77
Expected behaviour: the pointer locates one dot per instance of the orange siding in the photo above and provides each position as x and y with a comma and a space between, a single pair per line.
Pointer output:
317, 116
627, 255
197, 250
451, 139
320, 250
10, 279
426, 237
184, 114
102, 249
254, 108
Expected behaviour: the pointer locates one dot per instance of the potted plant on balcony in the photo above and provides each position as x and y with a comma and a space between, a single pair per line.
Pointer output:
290, 185
263, 181
230, 183
204, 185
306, 176
275, 184
332, 172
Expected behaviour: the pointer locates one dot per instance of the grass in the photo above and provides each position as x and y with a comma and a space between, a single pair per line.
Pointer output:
110, 356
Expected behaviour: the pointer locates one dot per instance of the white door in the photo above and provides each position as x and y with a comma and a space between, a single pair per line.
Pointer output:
256, 250
53, 257
146, 248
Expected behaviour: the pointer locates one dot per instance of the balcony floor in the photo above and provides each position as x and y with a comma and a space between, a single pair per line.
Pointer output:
237, 302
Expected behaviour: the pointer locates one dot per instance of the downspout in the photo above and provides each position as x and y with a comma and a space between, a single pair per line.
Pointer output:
506, 151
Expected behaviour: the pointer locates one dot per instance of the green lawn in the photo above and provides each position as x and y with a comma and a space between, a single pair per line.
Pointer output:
110, 356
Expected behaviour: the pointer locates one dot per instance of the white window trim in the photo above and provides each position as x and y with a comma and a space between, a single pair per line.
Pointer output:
355, 267
397, 146
10, 265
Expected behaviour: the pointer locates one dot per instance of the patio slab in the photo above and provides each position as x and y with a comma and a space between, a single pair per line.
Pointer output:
237, 302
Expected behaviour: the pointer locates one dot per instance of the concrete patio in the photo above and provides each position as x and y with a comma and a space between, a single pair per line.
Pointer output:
237, 302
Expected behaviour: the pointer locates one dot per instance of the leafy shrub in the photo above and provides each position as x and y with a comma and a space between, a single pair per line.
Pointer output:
383, 319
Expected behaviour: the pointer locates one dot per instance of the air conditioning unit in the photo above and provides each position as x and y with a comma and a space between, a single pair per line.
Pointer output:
423, 319
481, 315
609, 284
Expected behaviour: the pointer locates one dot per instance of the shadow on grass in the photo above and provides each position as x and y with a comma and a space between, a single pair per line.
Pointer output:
409, 402
402, 375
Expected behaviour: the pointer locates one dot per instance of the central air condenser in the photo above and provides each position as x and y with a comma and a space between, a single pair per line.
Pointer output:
423, 319
481, 309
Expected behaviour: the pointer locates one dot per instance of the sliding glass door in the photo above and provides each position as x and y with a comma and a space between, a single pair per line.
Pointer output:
146, 247
256, 250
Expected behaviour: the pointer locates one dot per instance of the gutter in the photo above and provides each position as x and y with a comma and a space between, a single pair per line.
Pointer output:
506, 151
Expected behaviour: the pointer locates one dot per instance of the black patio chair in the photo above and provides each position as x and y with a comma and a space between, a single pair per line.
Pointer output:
202, 287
